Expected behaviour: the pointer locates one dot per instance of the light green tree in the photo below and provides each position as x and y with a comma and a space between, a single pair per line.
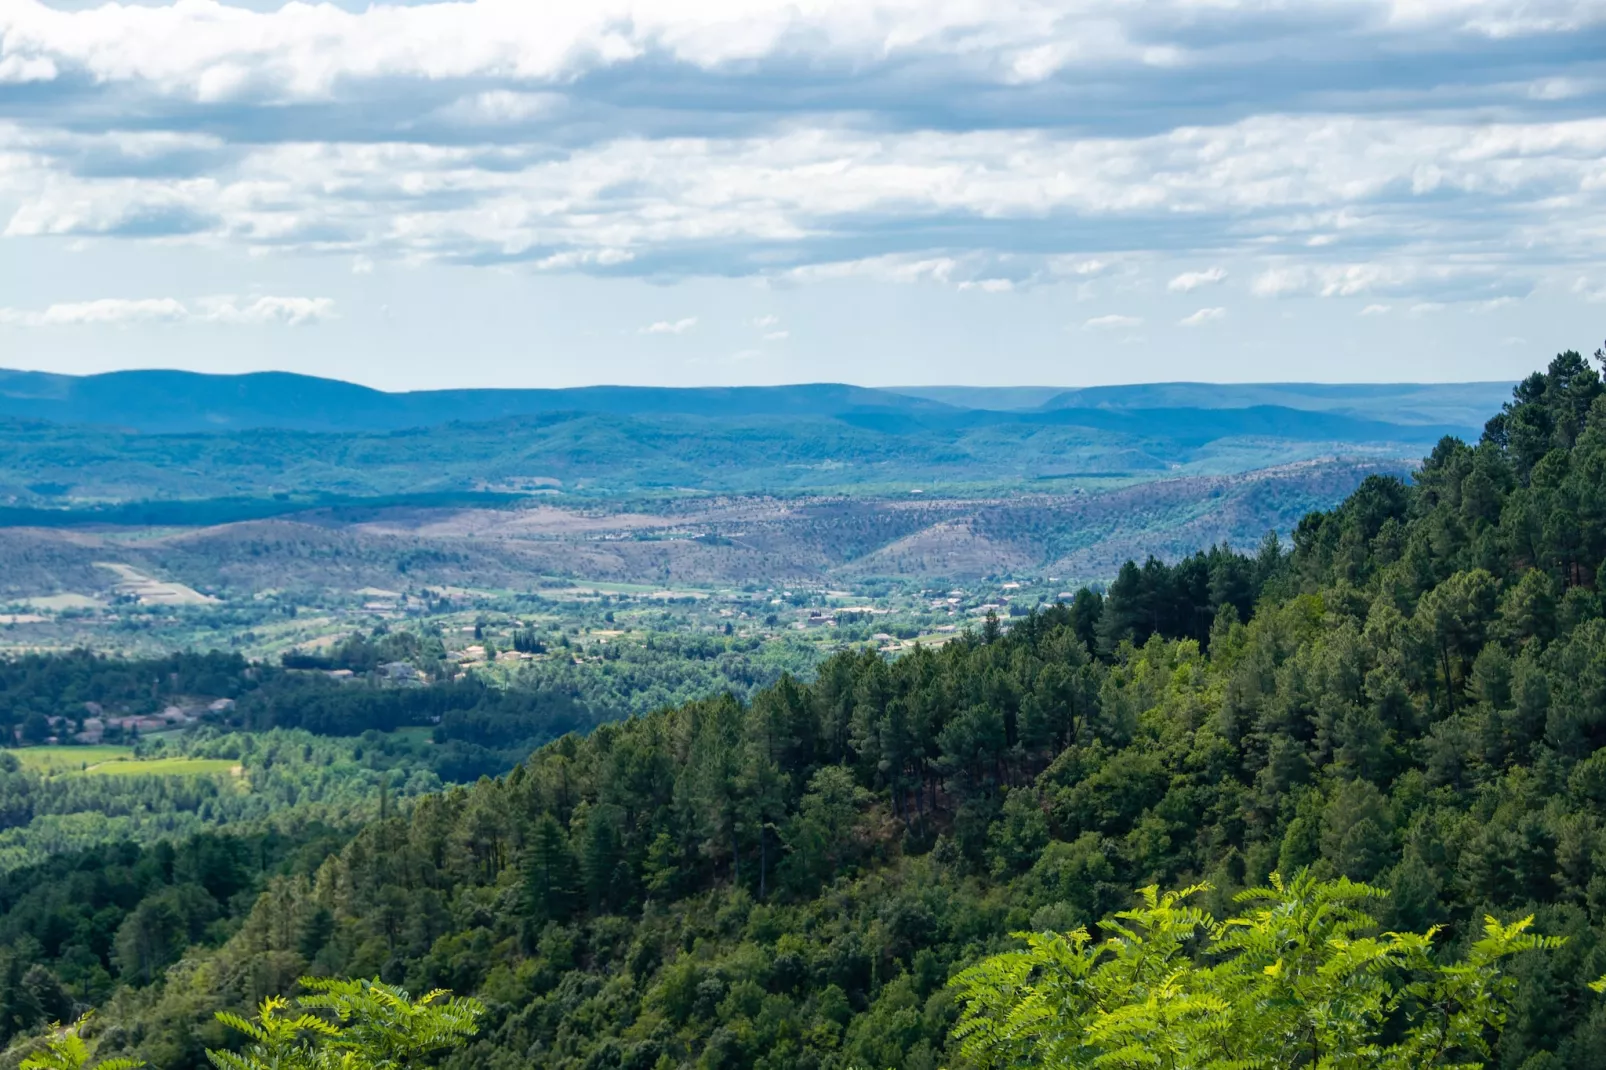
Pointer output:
1299, 979
349, 1025
65, 1049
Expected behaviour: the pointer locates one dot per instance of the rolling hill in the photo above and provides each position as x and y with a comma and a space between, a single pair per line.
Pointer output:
179, 402
175, 401
269, 443
55, 467
276, 474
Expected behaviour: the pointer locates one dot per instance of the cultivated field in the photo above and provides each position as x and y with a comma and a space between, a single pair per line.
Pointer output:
166, 767
115, 761
53, 761
150, 591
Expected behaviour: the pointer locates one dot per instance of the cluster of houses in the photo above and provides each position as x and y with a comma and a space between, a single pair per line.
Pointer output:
395, 672
471, 654
96, 723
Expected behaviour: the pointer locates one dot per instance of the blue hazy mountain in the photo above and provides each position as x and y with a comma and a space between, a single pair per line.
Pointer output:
245, 442
1458, 404
176, 401
182, 402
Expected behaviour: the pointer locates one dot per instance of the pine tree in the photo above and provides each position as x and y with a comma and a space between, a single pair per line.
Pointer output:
549, 872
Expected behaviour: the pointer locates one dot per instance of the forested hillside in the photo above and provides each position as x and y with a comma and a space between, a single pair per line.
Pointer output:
478, 729
1413, 694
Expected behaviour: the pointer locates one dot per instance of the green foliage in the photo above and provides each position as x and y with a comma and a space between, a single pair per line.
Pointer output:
60, 684
348, 1025
64, 1048
286, 779
360, 653
482, 729
1300, 978
637, 677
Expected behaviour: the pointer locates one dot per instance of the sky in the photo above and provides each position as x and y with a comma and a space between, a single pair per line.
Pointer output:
885, 192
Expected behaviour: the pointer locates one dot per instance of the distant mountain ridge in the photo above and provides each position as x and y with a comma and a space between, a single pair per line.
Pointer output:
1459, 404
188, 402
177, 401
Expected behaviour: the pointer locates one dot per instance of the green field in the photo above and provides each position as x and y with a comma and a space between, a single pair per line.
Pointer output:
115, 761
414, 733
54, 760
164, 767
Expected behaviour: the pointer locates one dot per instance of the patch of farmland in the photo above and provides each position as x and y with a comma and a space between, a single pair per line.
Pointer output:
154, 592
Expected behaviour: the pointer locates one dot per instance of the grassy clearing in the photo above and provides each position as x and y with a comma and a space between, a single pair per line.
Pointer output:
115, 761
164, 767
52, 761
415, 733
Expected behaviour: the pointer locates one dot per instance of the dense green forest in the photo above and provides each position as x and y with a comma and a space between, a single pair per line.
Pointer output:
667, 669
281, 778
1413, 694
481, 727
309, 748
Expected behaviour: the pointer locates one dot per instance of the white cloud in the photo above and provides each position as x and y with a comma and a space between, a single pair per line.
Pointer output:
694, 206
489, 132
292, 311
1074, 267
1375, 310
106, 310
1469, 279
1201, 317
764, 322
112, 311
1111, 322
889, 268
500, 107
1589, 290
680, 326
575, 259
210, 51
699, 205
1278, 281
214, 52
1189, 281
777, 336
1328, 280
1562, 88
17, 69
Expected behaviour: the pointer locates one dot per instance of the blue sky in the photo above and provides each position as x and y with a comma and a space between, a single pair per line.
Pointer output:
503, 192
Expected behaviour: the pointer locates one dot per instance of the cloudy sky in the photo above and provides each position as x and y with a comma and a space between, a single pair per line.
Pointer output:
1065, 192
